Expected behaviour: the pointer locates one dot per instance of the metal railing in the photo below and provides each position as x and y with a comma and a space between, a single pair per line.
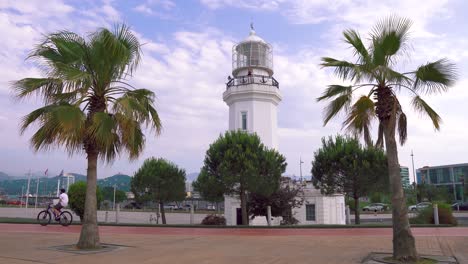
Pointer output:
248, 79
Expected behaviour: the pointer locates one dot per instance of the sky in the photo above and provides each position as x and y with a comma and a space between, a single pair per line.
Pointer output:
186, 59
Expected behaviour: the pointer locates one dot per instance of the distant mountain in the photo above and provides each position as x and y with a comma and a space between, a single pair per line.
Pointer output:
4, 176
121, 181
14, 186
192, 176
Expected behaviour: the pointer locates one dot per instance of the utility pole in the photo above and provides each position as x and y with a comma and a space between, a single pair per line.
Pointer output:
27, 190
300, 166
21, 198
37, 191
414, 172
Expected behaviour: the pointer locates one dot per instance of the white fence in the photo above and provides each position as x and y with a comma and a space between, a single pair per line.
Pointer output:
127, 217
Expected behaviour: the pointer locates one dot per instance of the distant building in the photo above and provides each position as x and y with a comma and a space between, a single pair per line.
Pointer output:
450, 176
404, 172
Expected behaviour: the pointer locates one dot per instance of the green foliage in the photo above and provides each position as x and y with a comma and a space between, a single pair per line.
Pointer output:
238, 160
159, 180
432, 193
108, 194
214, 220
238, 163
210, 188
426, 216
286, 198
77, 195
343, 165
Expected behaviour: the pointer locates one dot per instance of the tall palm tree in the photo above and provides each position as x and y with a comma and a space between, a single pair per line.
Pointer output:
376, 69
88, 105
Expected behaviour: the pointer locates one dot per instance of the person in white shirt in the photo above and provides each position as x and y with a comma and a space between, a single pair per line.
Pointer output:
63, 202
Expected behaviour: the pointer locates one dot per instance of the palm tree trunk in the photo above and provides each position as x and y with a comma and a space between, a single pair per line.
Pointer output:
89, 236
404, 247
243, 198
163, 213
357, 218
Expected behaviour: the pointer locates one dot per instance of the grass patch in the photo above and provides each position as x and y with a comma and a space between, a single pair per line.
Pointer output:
420, 261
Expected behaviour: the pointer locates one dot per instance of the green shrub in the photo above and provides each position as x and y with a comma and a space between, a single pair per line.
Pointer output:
214, 220
426, 216
77, 196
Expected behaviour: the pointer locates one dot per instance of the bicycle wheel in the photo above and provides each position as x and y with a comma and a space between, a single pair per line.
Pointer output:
43, 218
66, 218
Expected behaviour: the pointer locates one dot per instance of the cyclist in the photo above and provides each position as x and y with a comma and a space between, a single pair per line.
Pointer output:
63, 202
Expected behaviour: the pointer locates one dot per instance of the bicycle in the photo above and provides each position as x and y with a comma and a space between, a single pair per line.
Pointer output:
65, 218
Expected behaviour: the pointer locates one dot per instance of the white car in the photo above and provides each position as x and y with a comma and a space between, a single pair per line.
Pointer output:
375, 207
419, 206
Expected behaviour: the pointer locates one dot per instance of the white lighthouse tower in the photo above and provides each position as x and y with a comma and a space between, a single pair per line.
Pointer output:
252, 94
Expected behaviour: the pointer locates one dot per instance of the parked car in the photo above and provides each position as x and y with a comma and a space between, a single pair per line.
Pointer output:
133, 205
419, 206
171, 207
15, 202
375, 207
460, 206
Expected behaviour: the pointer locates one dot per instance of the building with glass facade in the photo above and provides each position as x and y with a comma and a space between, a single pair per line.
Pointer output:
404, 172
450, 176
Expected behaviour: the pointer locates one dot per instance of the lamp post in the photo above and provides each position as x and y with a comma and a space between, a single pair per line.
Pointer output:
113, 207
414, 172
300, 166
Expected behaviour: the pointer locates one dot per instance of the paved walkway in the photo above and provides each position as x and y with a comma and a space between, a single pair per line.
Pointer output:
21, 244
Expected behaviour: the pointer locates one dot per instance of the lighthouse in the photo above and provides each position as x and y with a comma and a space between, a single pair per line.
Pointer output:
252, 93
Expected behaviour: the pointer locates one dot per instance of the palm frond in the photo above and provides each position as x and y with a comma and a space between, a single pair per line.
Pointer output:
389, 38
360, 117
435, 76
59, 125
343, 69
132, 138
340, 103
422, 107
334, 90
352, 37
44, 87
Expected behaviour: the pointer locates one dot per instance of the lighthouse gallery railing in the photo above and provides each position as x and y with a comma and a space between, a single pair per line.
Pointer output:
248, 79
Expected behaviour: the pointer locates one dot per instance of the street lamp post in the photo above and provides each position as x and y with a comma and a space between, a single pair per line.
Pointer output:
300, 166
113, 207
414, 172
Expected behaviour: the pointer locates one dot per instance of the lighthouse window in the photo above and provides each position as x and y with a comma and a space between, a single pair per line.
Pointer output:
244, 120
310, 212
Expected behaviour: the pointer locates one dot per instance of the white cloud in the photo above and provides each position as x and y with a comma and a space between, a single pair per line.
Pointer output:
187, 71
159, 8
257, 5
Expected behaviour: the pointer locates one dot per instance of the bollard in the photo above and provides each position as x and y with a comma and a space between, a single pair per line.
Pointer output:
106, 217
348, 215
436, 214
191, 214
117, 210
269, 215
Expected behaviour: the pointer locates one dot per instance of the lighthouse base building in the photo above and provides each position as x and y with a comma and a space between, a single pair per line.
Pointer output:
316, 209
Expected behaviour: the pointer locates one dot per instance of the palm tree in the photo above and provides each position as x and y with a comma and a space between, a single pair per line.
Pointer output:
375, 68
88, 105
